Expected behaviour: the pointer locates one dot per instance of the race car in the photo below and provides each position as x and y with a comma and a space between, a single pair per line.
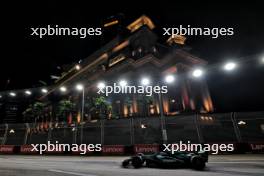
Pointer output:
196, 161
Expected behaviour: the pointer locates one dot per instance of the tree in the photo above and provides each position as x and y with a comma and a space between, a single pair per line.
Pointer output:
65, 108
34, 111
28, 114
103, 106
38, 110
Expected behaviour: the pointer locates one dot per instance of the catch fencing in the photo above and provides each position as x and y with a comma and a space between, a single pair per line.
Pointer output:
238, 127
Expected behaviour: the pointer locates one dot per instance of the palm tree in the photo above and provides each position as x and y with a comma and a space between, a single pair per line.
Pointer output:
34, 111
28, 114
65, 108
103, 106
38, 110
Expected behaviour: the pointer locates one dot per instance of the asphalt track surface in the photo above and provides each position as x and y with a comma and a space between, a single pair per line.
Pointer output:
219, 165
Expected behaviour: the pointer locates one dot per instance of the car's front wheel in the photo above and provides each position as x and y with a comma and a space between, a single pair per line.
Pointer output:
126, 162
137, 162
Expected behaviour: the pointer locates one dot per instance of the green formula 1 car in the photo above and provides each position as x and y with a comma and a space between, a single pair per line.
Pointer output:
167, 160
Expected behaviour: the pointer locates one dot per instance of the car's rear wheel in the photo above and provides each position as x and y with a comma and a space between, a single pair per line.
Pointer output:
150, 164
198, 163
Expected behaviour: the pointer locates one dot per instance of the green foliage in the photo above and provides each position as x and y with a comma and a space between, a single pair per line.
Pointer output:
65, 107
38, 108
101, 103
102, 106
146, 99
34, 111
28, 113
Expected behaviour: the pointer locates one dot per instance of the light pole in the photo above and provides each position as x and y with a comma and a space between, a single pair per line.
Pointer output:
162, 120
80, 87
102, 85
169, 79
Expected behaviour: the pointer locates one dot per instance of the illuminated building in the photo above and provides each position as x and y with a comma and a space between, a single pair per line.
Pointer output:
139, 53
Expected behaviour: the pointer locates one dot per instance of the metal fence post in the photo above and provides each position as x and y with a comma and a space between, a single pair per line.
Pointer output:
198, 128
26, 133
132, 132
162, 120
49, 135
82, 115
5, 135
236, 129
102, 131
81, 133
74, 140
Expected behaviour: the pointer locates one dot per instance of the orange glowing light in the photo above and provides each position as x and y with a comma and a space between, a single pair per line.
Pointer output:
143, 20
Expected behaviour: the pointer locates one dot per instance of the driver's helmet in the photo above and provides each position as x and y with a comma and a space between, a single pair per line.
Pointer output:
140, 154
163, 153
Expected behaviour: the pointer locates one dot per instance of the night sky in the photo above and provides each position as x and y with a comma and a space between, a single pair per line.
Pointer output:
27, 59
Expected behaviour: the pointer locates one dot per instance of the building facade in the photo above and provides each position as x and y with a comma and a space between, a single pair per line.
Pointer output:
134, 55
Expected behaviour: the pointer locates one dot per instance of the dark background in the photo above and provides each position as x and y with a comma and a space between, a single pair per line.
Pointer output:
27, 59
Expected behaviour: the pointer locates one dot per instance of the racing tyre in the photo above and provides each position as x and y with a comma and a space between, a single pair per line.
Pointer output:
137, 162
198, 163
126, 162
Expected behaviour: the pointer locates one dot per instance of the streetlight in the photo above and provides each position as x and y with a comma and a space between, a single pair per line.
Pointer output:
230, 66
262, 60
27, 92
101, 85
77, 67
63, 89
123, 83
145, 81
197, 73
169, 78
44, 90
80, 88
12, 94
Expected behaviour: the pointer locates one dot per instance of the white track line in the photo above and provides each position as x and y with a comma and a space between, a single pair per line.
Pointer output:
248, 159
237, 162
71, 173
